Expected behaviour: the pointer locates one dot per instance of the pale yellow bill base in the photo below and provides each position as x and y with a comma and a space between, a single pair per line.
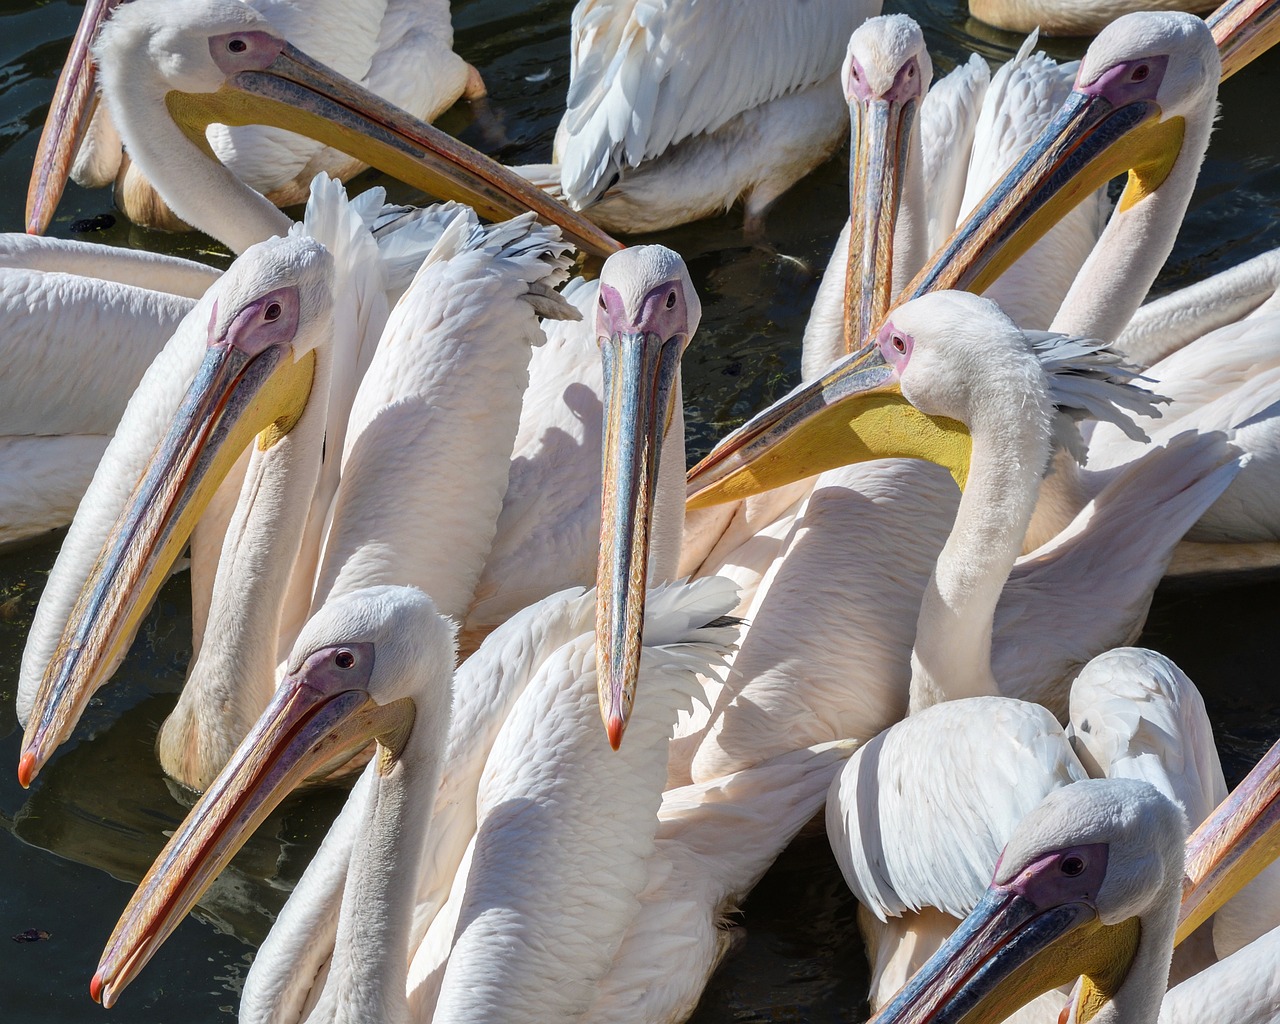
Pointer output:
1237, 841
1089, 142
232, 398
877, 169
1244, 30
308, 729
860, 417
301, 95
74, 100
1007, 952
640, 371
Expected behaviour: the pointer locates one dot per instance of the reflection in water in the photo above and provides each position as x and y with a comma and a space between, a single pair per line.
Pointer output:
72, 847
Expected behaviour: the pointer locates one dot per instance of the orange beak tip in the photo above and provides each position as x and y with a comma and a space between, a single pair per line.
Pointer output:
615, 726
95, 987
26, 769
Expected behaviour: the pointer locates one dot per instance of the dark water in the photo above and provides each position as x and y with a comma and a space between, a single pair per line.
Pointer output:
71, 848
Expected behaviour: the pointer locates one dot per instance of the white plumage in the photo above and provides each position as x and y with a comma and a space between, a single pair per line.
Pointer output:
676, 108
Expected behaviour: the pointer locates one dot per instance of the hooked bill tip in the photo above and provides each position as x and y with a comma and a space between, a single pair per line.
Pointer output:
95, 987
614, 726
26, 769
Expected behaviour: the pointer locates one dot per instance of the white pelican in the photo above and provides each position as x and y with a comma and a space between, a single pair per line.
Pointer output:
170, 69
604, 394
958, 360
401, 51
1089, 886
679, 108
452, 348
576, 872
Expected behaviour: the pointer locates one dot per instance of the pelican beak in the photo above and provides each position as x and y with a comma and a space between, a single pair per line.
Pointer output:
320, 716
248, 384
1092, 139
1010, 950
856, 415
1232, 845
301, 95
1243, 30
881, 134
641, 371
73, 104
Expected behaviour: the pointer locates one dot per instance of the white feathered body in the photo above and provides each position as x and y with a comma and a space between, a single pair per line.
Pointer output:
677, 108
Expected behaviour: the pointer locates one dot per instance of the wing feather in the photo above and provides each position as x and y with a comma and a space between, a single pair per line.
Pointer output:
646, 74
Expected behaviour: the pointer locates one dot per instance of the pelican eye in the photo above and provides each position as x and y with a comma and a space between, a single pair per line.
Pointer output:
1072, 866
272, 312
898, 343
344, 659
911, 71
671, 300
602, 304
1140, 73
237, 45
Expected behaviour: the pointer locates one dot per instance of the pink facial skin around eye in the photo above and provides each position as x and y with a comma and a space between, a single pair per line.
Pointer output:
271, 319
895, 346
906, 84
655, 316
1063, 876
1129, 81
244, 51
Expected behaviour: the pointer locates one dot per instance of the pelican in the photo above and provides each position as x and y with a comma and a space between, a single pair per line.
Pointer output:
171, 69
677, 109
401, 52
963, 365
1088, 885
471, 312
536, 849
563, 520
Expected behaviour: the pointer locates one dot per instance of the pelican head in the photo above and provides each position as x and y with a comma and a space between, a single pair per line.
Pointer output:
264, 320
885, 74
371, 665
933, 371
1087, 886
219, 61
1145, 77
646, 314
